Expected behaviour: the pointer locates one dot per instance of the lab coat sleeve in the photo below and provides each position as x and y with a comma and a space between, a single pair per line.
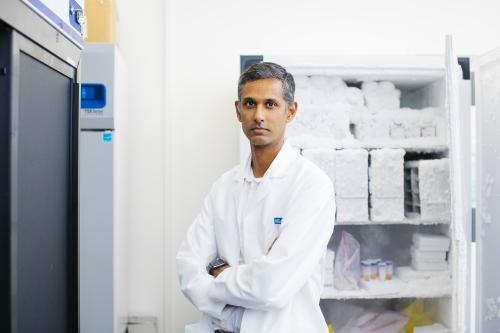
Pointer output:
195, 253
231, 321
271, 281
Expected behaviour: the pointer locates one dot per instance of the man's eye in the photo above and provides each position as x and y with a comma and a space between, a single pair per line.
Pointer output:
271, 104
249, 104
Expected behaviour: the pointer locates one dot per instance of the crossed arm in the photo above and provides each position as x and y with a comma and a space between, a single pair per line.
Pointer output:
268, 282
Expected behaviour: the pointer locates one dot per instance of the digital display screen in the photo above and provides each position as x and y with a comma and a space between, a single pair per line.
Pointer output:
88, 93
93, 96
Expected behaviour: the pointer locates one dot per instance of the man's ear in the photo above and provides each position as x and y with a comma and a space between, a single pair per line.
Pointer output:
237, 107
292, 110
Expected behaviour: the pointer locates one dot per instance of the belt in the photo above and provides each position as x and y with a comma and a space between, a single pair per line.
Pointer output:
221, 331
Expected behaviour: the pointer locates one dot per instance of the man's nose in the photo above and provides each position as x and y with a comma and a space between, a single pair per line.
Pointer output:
259, 114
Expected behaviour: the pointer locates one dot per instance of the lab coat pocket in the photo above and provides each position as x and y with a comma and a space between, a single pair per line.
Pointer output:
274, 225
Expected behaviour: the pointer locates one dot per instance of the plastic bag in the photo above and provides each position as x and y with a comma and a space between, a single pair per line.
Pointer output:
347, 267
417, 315
375, 322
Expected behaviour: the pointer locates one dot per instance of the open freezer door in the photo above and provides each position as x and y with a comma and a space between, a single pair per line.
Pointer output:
458, 116
488, 190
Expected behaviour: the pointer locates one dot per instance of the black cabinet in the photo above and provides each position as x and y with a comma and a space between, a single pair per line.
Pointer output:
39, 100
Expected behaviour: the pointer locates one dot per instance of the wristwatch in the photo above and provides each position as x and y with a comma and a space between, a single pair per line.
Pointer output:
214, 264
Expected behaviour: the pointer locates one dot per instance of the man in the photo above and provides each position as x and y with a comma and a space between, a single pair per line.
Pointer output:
252, 261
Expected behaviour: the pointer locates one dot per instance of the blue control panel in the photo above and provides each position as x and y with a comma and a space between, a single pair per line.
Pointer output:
93, 96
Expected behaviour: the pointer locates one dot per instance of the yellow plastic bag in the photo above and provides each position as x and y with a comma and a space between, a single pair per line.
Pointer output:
418, 317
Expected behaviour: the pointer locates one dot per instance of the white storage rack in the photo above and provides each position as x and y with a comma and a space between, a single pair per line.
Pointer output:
432, 79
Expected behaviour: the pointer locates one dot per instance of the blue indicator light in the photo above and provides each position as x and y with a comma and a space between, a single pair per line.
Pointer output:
93, 96
107, 137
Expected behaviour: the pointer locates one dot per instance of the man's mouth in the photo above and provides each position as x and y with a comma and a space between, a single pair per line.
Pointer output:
259, 130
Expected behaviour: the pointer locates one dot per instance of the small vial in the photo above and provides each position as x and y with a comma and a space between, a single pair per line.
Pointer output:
366, 270
374, 269
390, 270
382, 270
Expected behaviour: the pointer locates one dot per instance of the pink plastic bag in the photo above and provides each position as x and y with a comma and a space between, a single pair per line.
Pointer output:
375, 322
347, 268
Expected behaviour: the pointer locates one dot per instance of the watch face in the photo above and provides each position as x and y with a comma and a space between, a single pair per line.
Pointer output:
218, 263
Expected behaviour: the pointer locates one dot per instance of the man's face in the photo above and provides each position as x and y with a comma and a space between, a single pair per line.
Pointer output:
263, 112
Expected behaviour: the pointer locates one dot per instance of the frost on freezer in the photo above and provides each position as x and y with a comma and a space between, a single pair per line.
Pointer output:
381, 95
386, 185
393, 261
427, 189
492, 309
324, 158
488, 185
351, 185
400, 124
320, 122
428, 260
331, 113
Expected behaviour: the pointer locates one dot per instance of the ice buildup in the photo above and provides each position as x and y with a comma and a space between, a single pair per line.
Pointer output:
351, 185
324, 158
386, 184
381, 95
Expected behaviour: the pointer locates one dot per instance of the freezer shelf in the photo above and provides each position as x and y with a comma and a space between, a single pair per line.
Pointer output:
407, 220
419, 289
409, 145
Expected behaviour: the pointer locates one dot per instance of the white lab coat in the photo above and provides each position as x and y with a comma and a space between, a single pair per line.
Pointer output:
280, 289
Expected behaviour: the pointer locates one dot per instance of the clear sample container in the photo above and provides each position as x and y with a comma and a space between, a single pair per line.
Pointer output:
366, 270
382, 270
375, 275
390, 270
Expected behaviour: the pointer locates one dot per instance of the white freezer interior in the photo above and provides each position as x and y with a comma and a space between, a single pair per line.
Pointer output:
423, 84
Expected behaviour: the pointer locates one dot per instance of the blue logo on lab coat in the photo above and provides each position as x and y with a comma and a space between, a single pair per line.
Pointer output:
277, 220
107, 137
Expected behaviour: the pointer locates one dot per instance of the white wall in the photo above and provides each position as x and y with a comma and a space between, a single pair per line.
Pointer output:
142, 42
200, 48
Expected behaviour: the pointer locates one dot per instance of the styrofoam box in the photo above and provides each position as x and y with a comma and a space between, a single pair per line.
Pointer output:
352, 209
433, 256
386, 209
429, 266
324, 158
434, 188
351, 173
329, 267
427, 242
386, 173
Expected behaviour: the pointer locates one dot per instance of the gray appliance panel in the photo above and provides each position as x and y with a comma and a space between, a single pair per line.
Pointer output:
96, 232
98, 66
43, 219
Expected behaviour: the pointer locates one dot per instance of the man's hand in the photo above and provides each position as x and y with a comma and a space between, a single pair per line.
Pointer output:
219, 270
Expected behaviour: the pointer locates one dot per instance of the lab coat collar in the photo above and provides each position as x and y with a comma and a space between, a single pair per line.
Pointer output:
280, 167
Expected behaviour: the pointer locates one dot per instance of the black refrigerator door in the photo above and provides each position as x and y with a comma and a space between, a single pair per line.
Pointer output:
38, 171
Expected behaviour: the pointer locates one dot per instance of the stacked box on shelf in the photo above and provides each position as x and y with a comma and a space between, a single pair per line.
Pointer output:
324, 158
427, 189
428, 258
386, 185
351, 185
429, 252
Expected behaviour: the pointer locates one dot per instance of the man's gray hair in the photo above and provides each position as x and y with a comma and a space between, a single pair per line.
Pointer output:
268, 70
